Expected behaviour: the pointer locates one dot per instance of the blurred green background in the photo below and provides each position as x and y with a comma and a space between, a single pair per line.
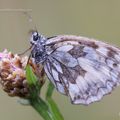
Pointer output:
99, 19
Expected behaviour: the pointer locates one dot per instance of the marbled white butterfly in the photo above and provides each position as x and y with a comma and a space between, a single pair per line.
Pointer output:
82, 68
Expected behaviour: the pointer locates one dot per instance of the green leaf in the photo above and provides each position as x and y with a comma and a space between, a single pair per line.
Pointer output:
33, 82
31, 78
52, 105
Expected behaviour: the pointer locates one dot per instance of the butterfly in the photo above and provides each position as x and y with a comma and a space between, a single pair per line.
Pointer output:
82, 68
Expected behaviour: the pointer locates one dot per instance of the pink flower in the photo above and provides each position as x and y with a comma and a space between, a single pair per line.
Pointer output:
12, 74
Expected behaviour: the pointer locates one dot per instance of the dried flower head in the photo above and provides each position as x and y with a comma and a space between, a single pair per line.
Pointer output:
12, 74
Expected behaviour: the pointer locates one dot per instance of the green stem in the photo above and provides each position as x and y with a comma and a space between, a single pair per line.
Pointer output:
49, 90
52, 105
41, 107
47, 109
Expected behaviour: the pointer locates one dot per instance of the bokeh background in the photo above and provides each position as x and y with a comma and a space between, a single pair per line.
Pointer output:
98, 19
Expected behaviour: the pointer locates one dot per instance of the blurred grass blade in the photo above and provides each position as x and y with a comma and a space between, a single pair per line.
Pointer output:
52, 105
31, 78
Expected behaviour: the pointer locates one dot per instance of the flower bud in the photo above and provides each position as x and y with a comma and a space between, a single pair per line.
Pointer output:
12, 74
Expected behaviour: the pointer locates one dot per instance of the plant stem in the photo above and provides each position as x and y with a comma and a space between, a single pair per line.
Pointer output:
41, 107
47, 109
51, 103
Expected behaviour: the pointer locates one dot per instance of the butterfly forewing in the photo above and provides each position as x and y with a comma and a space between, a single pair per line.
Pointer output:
82, 68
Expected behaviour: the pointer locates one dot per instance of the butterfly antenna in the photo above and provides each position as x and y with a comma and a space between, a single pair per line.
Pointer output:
28, 59
26, 13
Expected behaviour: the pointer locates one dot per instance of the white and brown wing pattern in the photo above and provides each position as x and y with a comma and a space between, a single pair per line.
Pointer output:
82, 68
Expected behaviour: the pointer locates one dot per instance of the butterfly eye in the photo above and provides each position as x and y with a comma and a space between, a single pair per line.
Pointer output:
35, 37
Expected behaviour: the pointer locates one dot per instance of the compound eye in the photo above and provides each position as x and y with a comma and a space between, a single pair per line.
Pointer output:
35, 37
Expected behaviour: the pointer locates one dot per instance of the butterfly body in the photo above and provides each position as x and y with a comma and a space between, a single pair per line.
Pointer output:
79, 67
39, 50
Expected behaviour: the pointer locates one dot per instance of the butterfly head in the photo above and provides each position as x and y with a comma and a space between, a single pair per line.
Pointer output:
36, 38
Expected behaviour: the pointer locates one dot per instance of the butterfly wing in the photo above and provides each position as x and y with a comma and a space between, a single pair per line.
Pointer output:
82, 68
